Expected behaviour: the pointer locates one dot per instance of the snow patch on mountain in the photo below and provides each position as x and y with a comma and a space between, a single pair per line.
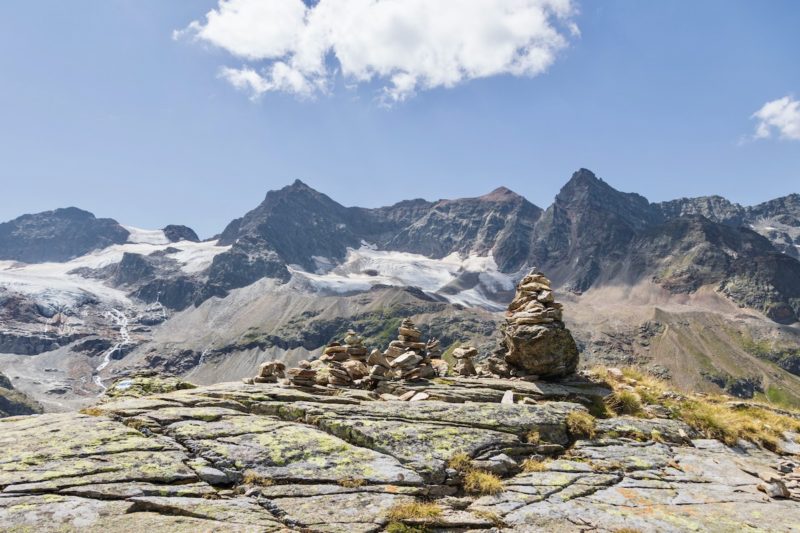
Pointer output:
146, 236
472, 281
58, 284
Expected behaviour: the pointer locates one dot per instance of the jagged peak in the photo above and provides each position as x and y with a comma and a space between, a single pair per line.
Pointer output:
500, 194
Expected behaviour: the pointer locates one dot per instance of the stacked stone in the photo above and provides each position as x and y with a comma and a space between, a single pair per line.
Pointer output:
345, 362
303, 376
407, 357
463, 356
268, 372
535, 340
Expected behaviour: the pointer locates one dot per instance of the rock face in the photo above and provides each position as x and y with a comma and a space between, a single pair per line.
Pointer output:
58, 235
13, 402
176, 233
534, 336
264, 458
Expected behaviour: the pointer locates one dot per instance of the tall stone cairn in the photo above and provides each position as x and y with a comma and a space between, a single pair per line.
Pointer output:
534, 337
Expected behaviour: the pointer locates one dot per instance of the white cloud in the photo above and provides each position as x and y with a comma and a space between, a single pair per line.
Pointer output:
405, 45
781, 116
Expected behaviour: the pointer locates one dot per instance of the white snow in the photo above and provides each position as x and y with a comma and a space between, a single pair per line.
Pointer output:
146, 236
52, 283
368, 266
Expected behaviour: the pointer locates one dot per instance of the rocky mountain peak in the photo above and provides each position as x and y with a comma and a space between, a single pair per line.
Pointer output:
58, 235
500, 194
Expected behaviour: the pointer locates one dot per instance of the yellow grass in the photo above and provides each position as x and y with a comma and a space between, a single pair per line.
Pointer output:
581, 425
416, 510
461, 462
532, 465
481, 482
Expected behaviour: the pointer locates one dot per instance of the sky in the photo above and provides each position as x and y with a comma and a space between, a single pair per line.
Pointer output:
156, 113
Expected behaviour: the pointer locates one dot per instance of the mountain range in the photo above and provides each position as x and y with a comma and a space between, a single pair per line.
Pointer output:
704, 291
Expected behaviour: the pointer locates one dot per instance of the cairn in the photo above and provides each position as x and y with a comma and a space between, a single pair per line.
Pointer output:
535, 340
303, 376
343, 365
464, 365
268, 372
407, 357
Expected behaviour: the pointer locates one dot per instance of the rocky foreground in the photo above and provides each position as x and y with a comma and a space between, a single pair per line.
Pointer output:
267, 457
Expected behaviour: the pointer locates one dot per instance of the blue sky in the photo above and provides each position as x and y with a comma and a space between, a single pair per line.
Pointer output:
103, 109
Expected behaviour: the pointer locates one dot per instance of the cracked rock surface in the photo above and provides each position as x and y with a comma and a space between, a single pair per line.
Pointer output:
237, 457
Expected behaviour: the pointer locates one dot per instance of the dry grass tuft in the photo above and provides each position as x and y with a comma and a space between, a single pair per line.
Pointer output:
92, 411
533, 437
460, 462
727, 424
581, 425
251, 477
416, 510
626, 402
483, 483
532, 465
710, 415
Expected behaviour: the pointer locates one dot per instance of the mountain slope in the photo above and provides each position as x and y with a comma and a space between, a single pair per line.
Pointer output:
58, 235
291, 274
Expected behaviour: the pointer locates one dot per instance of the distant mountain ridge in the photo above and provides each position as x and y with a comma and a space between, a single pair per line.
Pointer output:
592, 234
702, 290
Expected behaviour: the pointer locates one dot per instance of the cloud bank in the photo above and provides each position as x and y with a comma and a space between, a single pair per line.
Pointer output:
405, 46
779, 117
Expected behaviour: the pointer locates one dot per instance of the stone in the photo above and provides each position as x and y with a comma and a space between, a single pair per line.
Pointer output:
407, 396
508, 398
338, 461
212, 475
535, 340
775, 489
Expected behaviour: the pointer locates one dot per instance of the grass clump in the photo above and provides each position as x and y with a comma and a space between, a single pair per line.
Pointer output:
727, 424
251, 477
581, 425
416, 510
711, 415
533, 465
460, 462
533, 437
92, 411
626, 402
483, 483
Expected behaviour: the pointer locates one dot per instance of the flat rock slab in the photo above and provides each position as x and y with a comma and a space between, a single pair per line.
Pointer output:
424, 447
29, 443
68, 513
243, 511
299, 453
357, 511
236, 457
547, 418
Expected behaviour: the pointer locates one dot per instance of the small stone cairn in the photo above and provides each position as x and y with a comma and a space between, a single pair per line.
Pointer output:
303, 376
407, 357
535, 341
346, 362
464, 365
268, 372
